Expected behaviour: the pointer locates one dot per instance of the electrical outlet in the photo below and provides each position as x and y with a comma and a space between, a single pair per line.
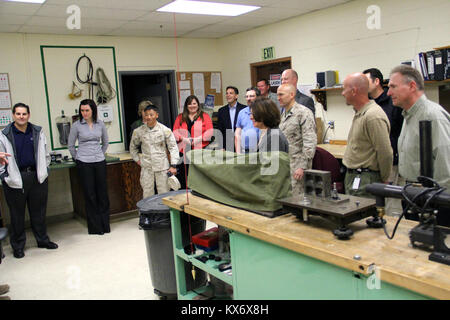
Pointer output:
331, 124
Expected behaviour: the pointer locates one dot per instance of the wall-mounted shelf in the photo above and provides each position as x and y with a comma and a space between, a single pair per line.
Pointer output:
438, 83
321, 95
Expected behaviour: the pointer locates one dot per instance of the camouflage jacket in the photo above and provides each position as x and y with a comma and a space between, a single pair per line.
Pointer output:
299, 127
154, 144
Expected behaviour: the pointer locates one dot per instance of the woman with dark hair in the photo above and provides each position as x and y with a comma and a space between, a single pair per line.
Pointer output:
193, 129
91, 165
265, 116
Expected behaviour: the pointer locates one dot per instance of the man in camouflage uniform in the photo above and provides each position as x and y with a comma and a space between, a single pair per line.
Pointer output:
298, 125
154, 139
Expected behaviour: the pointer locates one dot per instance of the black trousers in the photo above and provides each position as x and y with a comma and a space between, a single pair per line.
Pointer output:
93, 181
34, 195
182, 172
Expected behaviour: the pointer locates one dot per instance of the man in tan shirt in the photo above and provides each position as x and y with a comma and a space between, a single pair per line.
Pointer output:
368, 156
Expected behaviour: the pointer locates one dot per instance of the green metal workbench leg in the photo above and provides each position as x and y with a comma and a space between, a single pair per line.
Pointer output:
178, 244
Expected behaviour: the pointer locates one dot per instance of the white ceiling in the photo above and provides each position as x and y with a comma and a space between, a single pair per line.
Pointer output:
139, 17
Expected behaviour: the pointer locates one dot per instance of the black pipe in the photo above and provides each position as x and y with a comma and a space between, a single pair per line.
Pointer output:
426, 151
389, 191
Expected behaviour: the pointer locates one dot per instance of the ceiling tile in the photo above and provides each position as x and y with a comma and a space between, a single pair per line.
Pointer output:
204, 34
18, 8
260, 3
44, 30
161, 27
181, 18
107, 13
13, 19
139, 18
102, 23
141, 33
113, 4
46, 21
220, 28
48, 10
9, 28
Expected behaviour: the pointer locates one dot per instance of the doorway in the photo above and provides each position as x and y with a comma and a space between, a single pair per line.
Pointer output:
156, 86
263, 70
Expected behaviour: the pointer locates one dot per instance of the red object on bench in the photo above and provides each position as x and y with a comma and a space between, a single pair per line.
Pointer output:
207, 239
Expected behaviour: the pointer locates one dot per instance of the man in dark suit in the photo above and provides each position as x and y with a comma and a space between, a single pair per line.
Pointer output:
227, 117
394, 114
290, 76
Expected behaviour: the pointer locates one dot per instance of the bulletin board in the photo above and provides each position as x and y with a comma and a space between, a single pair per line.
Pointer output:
5, 101
200, 84
60, 72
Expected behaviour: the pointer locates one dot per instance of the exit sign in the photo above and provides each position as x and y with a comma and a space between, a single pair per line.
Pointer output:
268, 53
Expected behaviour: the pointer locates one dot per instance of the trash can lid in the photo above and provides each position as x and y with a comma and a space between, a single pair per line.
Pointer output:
154, 203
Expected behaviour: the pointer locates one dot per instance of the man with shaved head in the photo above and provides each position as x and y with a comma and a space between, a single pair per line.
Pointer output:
298, 125
368, 156
290, 76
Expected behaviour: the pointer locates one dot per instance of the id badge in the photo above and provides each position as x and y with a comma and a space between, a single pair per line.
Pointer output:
356, 182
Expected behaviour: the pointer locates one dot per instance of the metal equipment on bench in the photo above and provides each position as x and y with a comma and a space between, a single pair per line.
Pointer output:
320, 199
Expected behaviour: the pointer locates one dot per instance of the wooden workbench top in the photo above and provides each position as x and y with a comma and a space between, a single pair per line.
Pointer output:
337, 150
397, 262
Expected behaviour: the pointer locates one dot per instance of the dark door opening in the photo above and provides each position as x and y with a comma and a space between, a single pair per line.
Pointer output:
156, 86
263, 70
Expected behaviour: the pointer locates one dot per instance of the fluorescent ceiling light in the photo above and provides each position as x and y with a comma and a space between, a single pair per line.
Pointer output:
28, 1
209, 8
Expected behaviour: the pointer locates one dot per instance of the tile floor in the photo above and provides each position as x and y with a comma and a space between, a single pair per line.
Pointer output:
112, 266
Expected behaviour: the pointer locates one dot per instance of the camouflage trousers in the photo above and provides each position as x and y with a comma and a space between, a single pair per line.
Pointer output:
148, 178
297, 186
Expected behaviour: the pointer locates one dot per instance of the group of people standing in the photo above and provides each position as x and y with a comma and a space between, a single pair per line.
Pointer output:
24, 173
379, 139
383, 143
272, 122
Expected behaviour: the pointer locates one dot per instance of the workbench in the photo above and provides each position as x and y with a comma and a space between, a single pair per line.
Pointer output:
337, 150
123, 182
285, 258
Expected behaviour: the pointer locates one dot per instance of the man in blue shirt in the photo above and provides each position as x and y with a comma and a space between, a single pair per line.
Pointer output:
24, 179
246, 139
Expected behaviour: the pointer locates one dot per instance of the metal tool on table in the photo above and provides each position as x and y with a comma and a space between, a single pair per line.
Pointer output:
319, 199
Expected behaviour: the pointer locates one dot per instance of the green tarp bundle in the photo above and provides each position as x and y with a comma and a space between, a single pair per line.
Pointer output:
250, 181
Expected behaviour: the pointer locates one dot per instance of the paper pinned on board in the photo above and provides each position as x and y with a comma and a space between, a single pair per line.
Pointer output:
216, 82
198, 83
4, 82
183, 96
184, 85
5, 117
5, 100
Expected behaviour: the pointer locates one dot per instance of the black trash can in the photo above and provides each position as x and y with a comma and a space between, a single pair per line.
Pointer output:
154, 219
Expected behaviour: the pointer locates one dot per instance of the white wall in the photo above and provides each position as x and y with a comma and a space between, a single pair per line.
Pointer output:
20, 56
337, 38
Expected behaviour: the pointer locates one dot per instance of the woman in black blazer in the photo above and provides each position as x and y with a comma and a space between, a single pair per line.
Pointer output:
265, 116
